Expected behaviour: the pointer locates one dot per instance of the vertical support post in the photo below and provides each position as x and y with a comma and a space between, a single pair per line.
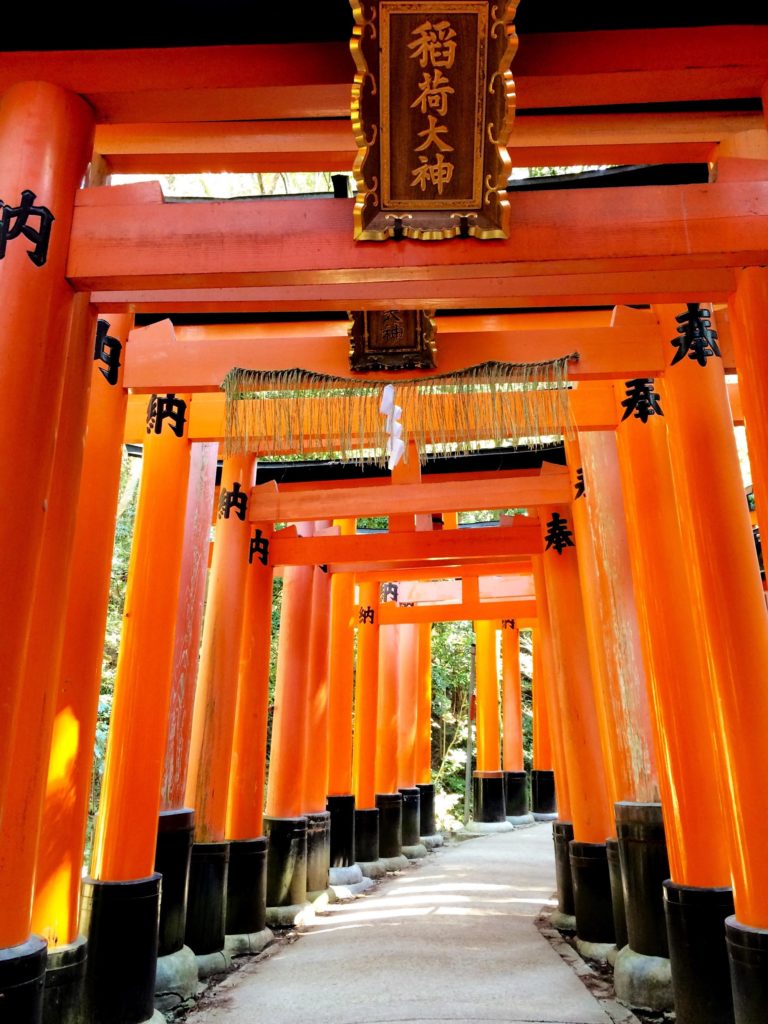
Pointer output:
364, 739
407, 725
515, 776
388, 800
543, 803
488, 779
424, 739
121, 900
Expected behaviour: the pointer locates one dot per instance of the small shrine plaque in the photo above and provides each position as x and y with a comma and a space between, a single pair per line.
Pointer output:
391, 340
432, 106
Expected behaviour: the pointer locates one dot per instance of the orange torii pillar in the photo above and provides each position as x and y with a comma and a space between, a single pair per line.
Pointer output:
562, 828
55, 912
285, 823
430, 837
30, 749
215, 706
247, 878
340, 802
364, 738
45, 144
489, 811
725, 572
389, 800
407, 726
590, 803
637, 853
543, 800
698, 897
176, 969
120, 909
515, 777
316, 756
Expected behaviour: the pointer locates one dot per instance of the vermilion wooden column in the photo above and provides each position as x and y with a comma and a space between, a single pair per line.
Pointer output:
341, 676
611, 619
126, 830
542, 731
189, 621
213, 720
316, 757
60, 856
488, 780
749, 321
366, 697
424, 733
512, 710
705, 467
386, 718
45, 143
31, 742
407, 700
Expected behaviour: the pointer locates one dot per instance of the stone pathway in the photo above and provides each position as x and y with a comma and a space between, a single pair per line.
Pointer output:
451, 940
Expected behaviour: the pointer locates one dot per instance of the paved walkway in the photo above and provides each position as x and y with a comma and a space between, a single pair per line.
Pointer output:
451, 940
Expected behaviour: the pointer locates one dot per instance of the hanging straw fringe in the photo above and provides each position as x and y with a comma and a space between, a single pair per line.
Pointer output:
274, 412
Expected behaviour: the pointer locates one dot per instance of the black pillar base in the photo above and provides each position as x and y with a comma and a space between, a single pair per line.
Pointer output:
121, 922
22, 977
489, 803
342, 812
65, 983
367, 835
644, 869
562, 835
286, 861
701, 978
516, 794
390, 807
318, 851
207, 904
247, 887
748, 955
172, 853
411, 816
592, 892
617, 893
543, 796
426, 808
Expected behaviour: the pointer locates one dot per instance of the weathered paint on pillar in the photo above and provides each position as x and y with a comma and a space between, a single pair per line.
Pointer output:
245, 807
749, 322
542, 726
610, 617
424, 728
31, 742
213, 720
366, 697
126, 830
386, 717
677, 674
289, 723
592, 812
407, 701
341, 676
189, 621
511, 701
705, 468
45, 142
487, 698
68, 790
316, 757
553, 687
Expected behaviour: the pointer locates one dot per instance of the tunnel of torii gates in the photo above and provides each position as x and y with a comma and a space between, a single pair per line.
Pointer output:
634, 565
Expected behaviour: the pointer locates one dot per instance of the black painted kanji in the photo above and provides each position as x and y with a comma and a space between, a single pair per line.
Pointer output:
641, 400
698, 338
367, 615
581, 489
236, 499
15, 221
259, 546
508, 624
166, 407
558, 537
389, 592
107, 350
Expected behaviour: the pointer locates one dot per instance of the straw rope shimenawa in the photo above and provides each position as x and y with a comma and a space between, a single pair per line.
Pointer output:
278, 411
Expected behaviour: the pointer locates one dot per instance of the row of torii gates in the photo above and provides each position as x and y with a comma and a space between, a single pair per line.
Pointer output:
636, 562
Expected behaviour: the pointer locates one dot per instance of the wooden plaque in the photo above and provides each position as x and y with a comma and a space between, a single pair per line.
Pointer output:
432, 107
391, 340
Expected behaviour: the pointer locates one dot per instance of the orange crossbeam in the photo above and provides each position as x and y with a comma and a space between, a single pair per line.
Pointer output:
391, 614
466, 570
523, 539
